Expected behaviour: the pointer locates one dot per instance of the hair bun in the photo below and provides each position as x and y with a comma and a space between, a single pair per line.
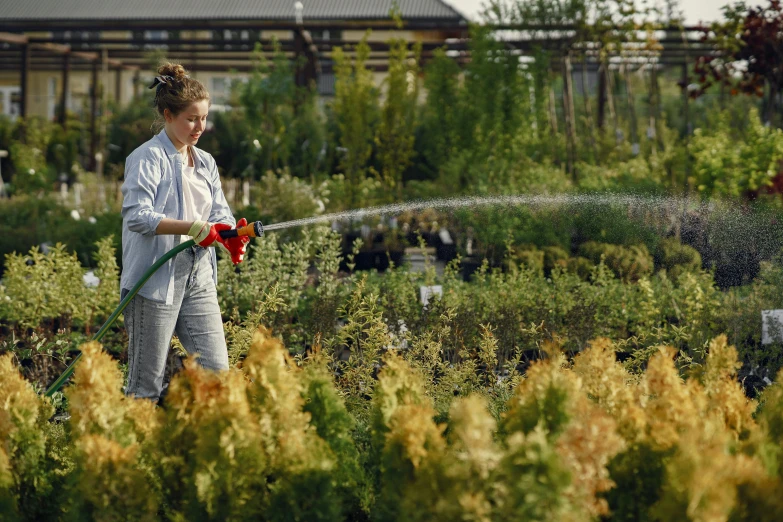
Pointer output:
173, 69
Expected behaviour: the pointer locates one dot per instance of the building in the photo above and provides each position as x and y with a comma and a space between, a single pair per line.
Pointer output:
81, 44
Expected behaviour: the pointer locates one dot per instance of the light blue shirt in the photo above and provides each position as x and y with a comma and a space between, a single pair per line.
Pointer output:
151, 191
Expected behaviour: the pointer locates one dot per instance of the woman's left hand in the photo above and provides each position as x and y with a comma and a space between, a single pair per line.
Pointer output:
237, 246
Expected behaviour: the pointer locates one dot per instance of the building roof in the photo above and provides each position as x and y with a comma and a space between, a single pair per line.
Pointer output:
273, 10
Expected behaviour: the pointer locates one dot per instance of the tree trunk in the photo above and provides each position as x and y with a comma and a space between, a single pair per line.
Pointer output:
568, 110
655, 110
552, 112
601, 96
588, 109
610, 100
687, 130
774, 93
631, 110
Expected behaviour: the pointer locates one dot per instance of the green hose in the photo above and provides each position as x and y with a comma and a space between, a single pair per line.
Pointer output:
113, 317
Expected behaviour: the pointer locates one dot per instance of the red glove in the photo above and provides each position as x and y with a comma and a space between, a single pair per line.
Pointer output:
237, 246
204, 233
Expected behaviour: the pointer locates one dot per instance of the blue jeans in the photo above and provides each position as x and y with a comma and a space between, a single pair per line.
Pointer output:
194, 316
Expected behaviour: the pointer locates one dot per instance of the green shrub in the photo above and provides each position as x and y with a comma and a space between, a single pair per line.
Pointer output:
528, 256
41, 287
32, 174
628, 263
639, 175
579, 265
734, 168
675, 258
554, 256
26, 222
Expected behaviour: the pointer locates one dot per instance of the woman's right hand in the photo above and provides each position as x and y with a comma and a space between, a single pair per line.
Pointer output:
205, 233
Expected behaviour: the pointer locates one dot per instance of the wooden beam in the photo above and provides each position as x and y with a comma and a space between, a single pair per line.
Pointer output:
136, 83
104, 92
118, 86
51, 47
18, 39
65, 89
24, 81
93, 117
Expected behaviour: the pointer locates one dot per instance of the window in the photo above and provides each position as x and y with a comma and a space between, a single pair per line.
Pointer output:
52, 98
219, 84
326, 84
326, 34
61, 35
10, 101
232, 38
86, 37
156, 36
220, 89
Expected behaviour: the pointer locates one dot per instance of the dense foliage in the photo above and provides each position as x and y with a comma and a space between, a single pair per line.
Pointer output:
585, 361
278, 438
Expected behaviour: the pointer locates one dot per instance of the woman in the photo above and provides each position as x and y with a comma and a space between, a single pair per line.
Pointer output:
172, 193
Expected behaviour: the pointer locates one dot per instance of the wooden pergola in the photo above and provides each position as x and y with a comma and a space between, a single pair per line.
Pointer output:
676, 46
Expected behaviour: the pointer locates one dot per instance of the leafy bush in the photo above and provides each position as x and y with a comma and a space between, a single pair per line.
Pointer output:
279, 197
27, 222
282, 438
628, 263
734, 168
675, 258
28, 155
645, 176
26, 475
42, 287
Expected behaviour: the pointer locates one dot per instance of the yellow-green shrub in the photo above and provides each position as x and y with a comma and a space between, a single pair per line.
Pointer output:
335, 426
301, 462
629, 263
580, 439
25, 471
213, 463
114, 441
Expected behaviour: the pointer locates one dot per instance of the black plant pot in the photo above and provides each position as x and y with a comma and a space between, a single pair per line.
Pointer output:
380, 260
397, 257
446, 252
364, 260
468, 266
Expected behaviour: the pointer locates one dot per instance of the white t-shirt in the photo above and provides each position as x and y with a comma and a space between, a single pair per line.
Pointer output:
196, 196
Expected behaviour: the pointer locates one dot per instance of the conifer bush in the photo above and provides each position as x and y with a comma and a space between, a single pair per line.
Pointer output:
278, 438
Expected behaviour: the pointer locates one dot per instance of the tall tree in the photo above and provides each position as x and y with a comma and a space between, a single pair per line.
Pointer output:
396, 132
747, 54
268, 100
355, 107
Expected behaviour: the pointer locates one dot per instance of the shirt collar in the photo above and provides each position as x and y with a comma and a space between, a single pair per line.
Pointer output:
172, 150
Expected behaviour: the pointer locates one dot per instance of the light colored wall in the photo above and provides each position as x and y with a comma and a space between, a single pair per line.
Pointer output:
280, 35
379, 36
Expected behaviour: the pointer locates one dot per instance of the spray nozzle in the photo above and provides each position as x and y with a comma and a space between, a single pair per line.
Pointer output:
254, 229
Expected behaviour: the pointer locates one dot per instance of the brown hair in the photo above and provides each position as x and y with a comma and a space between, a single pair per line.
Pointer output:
175, 90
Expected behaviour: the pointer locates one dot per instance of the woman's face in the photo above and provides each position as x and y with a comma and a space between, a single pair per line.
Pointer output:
187, 126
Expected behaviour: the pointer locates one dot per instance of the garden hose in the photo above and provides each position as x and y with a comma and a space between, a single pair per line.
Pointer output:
255, 229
